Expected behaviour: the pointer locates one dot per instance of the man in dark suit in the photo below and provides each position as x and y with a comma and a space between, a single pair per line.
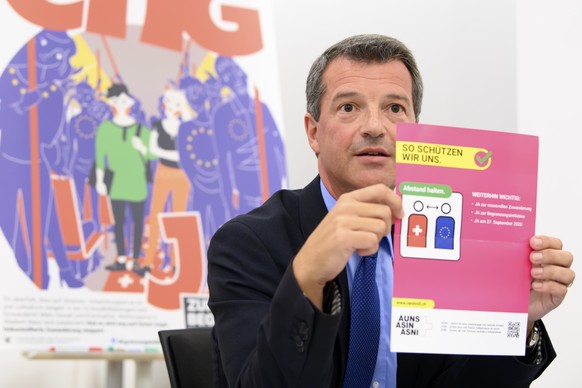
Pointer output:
280, 277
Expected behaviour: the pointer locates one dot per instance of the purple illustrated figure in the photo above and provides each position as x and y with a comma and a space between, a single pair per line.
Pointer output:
84, 112
32, 90
199, 158
241, 159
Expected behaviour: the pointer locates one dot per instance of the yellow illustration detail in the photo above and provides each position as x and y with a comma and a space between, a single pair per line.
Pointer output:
206, 67
205, 70
85, 60
193, 156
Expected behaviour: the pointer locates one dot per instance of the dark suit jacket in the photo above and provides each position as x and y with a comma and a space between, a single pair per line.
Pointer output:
267, 334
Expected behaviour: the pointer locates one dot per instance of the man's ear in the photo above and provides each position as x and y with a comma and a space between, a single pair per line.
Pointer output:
311, 132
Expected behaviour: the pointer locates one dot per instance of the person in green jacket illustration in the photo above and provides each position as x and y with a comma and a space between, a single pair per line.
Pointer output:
120, 146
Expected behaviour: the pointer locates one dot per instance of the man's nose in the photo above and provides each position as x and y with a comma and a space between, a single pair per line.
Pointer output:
375, 125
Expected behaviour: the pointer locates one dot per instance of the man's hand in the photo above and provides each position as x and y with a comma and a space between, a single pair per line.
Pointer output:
357, 222
551, 275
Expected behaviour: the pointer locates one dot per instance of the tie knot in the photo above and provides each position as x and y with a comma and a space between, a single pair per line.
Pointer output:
372, 256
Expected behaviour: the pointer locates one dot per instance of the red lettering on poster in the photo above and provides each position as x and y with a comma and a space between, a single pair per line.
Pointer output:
49, 15
193, 17
107, 17
184, 232
165, 22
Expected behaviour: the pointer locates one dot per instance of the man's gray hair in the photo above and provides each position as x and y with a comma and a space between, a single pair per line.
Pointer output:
362, 48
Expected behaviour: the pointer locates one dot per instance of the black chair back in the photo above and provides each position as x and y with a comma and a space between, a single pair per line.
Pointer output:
188, 356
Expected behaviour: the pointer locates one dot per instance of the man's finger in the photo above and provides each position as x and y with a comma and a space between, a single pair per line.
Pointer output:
545, 242
553, 273
380, 194
552, 257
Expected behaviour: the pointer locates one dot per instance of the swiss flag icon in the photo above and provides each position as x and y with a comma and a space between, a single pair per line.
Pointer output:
417, 231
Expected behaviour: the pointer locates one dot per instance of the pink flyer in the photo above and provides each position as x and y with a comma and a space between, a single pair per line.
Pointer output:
461, 268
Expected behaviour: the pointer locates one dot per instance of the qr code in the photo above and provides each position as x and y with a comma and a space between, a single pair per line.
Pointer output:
513, 329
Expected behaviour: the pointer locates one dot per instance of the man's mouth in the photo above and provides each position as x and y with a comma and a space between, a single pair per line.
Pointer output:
373, 153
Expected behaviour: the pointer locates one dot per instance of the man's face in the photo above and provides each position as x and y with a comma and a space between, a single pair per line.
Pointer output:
355, 135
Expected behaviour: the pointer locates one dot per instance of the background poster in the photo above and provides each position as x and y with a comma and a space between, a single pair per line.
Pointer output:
197, 76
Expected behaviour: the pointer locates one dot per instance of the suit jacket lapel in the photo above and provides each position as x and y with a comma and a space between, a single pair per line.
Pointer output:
311, 208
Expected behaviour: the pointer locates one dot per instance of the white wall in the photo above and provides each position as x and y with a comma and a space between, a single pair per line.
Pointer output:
467, 53
549, 84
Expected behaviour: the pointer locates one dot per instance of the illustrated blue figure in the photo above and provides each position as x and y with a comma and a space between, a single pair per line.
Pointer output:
85, 111
45, 93
234, 122
199, 158
213, 89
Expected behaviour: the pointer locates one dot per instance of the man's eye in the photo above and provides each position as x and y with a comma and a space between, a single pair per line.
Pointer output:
347, 108
395, 108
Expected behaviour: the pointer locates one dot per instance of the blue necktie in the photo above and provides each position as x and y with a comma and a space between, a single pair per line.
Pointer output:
364, 326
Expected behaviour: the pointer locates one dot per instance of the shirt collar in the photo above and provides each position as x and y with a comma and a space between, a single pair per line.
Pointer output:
327, 198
